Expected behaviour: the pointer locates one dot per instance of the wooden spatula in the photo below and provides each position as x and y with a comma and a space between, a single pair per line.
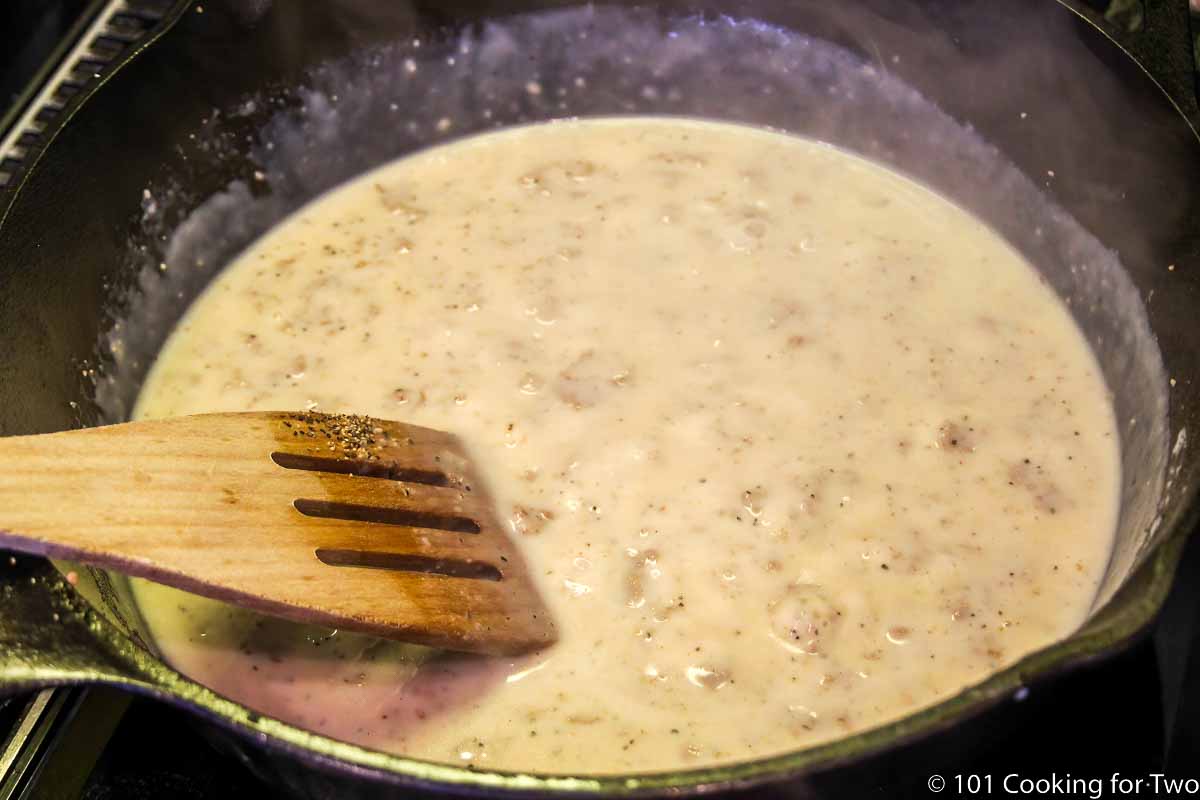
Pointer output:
338, 520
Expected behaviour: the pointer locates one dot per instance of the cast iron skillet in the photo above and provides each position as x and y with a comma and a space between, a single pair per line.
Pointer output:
1098, 163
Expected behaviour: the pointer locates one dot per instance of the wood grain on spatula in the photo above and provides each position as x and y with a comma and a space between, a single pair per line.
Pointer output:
338, 520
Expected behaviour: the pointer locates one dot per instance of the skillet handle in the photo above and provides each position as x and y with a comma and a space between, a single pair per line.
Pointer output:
49, 636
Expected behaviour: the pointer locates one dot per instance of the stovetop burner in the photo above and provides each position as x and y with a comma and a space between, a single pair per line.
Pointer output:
1135, 714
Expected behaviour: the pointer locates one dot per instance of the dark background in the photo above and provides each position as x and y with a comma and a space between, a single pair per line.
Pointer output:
1136, 714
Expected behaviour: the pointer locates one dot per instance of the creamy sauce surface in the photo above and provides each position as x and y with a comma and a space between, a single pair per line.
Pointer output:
795, 445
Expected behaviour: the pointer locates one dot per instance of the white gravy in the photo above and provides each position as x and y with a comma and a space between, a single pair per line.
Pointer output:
796, 446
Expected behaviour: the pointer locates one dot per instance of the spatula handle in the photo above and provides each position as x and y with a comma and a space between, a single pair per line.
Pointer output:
58, 490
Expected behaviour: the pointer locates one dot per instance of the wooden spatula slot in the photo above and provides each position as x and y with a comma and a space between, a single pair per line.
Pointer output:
234, 507
404, 562
386, 516
363, 469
